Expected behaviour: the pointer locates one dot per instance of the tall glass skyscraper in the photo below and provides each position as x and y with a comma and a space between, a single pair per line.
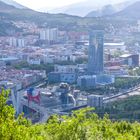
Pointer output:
95, 52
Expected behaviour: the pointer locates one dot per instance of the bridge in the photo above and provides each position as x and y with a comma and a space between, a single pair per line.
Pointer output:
107, 99
127, 76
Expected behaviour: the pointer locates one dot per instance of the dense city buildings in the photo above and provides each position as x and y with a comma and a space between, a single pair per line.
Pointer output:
55, 68
72, 75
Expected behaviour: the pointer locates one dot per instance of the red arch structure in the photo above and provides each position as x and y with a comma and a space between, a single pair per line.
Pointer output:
34, 98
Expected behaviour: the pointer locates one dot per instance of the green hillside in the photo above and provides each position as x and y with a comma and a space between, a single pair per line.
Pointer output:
7, 28
12, 13
63, 21
81, 125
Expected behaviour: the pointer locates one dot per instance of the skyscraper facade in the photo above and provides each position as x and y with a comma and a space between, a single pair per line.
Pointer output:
95, 52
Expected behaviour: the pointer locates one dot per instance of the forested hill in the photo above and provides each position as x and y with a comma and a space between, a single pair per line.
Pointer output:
62, 21
7, 28
82, 125
26, 14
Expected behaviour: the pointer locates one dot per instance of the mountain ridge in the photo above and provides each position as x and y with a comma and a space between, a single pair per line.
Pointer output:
80, 8
13, 3
132, 11
106, 11
83, 8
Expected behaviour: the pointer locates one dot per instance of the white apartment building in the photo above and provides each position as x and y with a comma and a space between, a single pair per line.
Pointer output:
49, 34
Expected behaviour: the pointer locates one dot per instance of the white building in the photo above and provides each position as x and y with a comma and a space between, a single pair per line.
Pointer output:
21, 42
62, 58
13, 41
50, 34
138, 23
73, 58
48, 59
16, 42
42, 34
65, 69
115, 46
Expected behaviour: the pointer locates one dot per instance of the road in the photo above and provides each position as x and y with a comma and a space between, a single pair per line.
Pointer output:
125, 94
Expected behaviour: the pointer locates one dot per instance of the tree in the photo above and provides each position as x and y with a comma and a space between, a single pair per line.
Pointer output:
80, 125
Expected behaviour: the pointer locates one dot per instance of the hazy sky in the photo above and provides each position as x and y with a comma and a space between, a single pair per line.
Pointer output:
35, 4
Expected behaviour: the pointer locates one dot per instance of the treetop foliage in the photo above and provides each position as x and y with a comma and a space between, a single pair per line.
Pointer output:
81, 125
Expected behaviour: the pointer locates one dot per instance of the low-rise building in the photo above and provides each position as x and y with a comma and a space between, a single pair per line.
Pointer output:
65, 69
131, 60
87, 81
34, 61
91, 81
105, 79
57, 77
68, 77
95, 101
